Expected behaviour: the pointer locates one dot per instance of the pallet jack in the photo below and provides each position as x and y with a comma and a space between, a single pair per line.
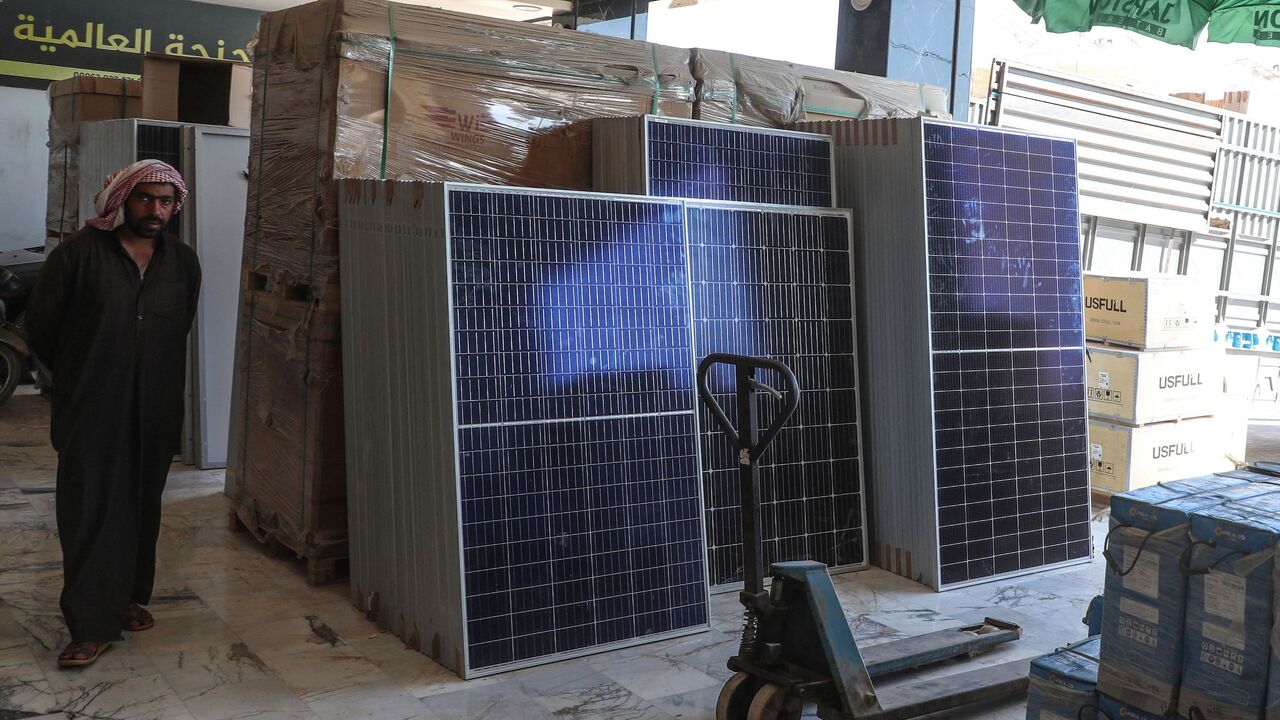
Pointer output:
798, 657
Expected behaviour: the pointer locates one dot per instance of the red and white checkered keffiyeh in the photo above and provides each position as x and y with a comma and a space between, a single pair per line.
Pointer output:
109, 202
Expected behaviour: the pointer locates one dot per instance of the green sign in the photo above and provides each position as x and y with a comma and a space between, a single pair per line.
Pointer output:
1246, 22
1177, 22
45, 40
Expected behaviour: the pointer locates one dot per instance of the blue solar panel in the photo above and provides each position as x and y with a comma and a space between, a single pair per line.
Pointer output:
581, 508
1008, 361
711, 161
777, 283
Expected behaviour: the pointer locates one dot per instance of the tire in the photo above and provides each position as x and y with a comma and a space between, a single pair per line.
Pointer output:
735, 697
10, 371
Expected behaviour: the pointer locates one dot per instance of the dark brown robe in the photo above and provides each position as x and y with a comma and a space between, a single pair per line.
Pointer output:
116, 344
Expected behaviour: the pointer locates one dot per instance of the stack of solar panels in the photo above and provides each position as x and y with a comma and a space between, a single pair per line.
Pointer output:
770, 264
973, 360
523, 471
672, 157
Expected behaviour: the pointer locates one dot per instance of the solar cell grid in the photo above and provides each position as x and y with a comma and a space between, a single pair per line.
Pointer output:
777, 283
1007, 341
579, 482
720, 162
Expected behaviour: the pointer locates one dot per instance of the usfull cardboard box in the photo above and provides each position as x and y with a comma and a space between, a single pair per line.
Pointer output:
1139, 387
1148, 312
1125, 457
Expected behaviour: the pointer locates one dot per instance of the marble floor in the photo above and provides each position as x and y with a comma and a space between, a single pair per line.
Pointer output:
241, 635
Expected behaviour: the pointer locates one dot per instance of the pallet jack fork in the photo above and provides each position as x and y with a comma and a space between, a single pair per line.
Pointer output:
798, 657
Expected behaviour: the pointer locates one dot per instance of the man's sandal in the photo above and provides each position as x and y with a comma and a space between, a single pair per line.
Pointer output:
136, 619
79, 654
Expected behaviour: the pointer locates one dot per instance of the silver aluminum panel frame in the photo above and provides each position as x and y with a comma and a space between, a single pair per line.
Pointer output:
467, 672
857, 379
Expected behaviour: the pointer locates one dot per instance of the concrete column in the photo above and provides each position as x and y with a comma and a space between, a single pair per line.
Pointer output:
926, 41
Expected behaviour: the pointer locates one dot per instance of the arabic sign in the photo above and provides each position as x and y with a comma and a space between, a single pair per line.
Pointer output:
44, 40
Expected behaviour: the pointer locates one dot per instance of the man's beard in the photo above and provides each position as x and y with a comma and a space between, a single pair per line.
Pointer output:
138, 226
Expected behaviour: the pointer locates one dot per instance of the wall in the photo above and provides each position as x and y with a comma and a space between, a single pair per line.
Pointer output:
924, 41
24, 172
800, 31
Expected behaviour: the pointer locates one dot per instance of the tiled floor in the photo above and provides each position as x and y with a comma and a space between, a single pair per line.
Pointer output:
242, 635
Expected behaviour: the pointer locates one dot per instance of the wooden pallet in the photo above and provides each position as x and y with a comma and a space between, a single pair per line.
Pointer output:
326, 562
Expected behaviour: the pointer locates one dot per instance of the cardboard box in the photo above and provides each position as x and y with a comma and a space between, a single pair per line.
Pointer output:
1063, 683
1145, 588
85, 99
1139, 387
471, 99
1148, 312
1115, 709
71, 102
194, 90
774, 93
1230, 597
838, 95
1124, 457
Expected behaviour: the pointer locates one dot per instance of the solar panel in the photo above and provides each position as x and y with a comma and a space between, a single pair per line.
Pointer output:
776, 282
979, 454
1008, 361
559, 511
567, 311
672, 157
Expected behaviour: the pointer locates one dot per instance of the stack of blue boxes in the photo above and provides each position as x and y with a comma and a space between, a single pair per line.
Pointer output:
1230, 593
1187, 612
1146, 589
1064, 683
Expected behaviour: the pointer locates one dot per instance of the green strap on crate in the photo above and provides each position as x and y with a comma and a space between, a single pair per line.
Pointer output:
733, 75
657, 80
391, 73
832, 111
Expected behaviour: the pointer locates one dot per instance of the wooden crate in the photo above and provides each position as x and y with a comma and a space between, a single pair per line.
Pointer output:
1138, 387
1148, 312
1124, 457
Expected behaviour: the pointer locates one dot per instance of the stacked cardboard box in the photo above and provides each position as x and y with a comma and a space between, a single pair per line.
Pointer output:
368, 89
1230, 601
195, 90
72, 102
774, 93
379, 90
1155, 385
1146, 588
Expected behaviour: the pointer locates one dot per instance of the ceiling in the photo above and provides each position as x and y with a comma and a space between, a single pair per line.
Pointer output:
492, 8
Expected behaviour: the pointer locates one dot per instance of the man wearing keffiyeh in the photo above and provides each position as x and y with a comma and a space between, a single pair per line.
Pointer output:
109, 317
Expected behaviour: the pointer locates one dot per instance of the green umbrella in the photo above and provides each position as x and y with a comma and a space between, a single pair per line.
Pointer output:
1177, 22
1245, 21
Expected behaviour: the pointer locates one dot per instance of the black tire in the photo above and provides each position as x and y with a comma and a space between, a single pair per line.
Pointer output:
10, 371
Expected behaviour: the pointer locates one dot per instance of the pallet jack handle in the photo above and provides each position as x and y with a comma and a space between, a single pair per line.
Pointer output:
750, 444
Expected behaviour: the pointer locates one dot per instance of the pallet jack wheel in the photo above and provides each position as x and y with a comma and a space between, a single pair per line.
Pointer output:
735, 697
771, 703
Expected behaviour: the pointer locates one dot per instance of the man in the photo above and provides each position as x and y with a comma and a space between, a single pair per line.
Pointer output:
109, 317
